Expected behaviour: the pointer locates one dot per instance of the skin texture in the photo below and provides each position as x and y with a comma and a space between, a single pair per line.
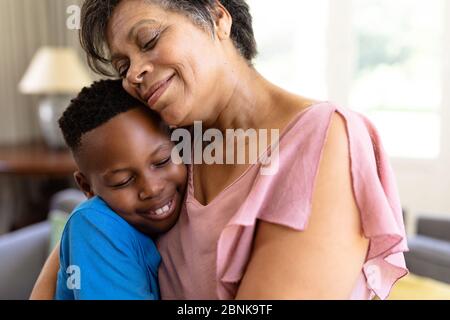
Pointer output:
214, 84
133, 172
45, 286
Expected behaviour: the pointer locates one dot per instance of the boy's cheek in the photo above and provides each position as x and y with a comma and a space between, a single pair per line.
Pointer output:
119, 201
183, 173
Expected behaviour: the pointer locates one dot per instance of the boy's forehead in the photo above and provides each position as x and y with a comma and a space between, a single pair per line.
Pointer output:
132, 122
127, 132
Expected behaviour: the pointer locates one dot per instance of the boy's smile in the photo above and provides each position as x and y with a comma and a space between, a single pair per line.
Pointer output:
162, 211
127, 162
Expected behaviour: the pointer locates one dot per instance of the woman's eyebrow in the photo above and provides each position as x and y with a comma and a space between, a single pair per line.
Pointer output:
131, 35
133, 30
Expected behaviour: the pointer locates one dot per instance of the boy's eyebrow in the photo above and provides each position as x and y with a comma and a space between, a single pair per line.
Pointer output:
160, 147
109, 172
118, 170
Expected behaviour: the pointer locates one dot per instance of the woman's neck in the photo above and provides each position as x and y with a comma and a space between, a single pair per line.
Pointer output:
246, 101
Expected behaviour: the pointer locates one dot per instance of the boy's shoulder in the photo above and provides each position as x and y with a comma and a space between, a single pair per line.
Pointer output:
97, 240
96, 211
93, 221
94, 218
95, 203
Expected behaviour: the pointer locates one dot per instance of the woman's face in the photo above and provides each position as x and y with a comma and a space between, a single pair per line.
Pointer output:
166, 61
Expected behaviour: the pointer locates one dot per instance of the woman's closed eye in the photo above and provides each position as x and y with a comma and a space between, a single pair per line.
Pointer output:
151, 44
123, 70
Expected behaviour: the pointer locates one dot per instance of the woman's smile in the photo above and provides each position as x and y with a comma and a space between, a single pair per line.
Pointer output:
156, 92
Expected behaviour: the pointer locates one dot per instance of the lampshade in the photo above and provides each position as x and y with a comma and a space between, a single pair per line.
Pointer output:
54, 70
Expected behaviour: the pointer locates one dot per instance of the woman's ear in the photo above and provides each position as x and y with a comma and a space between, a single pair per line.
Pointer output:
223, 21
83, 184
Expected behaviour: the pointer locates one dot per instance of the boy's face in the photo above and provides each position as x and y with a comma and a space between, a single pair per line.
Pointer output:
127, 162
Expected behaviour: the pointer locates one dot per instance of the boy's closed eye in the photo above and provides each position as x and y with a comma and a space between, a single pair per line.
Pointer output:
123, 184
163, 162
128, 180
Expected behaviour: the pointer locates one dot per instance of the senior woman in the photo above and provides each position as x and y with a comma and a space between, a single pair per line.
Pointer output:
326, 225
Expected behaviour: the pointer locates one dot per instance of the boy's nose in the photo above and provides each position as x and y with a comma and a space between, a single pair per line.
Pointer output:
151, 189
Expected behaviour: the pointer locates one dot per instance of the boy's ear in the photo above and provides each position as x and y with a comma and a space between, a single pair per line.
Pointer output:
83, 184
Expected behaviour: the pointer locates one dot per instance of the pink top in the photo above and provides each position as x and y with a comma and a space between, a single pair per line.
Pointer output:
205, 254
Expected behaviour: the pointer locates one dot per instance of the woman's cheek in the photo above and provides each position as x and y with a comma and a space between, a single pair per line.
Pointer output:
130, 89
127, 87
174, 114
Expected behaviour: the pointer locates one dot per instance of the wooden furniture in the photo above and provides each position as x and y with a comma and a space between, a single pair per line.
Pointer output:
29, 175
34, 160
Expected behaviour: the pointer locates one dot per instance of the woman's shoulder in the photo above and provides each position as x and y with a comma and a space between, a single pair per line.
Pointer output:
348, 145
312, 120
322, 134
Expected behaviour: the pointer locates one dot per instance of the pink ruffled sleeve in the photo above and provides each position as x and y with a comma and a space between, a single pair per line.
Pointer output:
286, 199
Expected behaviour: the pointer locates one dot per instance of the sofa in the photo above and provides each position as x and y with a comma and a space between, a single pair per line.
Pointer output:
429, 254
23, 252
22, 255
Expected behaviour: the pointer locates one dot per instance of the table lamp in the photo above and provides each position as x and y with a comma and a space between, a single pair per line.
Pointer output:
57, 75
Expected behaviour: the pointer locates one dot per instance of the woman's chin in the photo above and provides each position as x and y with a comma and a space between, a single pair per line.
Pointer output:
171, 117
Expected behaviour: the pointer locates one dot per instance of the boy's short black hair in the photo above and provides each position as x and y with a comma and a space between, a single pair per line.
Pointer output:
93, 107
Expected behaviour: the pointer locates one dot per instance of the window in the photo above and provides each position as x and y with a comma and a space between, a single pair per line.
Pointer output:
291, 38
383, 58
398, 72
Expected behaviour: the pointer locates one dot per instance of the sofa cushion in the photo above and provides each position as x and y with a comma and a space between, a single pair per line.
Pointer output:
434, 227
23, 254
429, 257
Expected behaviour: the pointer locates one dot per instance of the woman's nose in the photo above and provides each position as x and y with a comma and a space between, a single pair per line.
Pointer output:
150, 189
138, 71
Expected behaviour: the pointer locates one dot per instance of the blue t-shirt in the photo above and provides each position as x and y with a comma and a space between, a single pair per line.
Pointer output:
103, 257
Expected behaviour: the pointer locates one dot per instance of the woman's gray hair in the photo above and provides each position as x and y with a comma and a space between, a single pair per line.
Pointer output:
95, 15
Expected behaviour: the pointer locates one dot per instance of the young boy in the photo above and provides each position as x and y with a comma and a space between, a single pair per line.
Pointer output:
123, 152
